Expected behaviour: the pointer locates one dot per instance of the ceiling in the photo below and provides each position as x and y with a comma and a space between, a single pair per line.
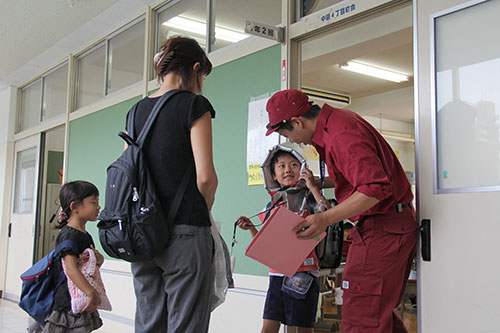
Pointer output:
385, 42
36, 35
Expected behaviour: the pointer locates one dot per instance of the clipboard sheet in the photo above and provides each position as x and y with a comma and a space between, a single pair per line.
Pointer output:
276, 245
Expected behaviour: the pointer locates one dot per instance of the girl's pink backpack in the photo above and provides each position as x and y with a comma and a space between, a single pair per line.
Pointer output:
87, 264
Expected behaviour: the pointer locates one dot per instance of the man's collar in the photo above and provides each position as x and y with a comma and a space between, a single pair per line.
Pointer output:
324, 114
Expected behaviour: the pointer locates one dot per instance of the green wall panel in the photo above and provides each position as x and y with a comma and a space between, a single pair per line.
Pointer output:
94, 144
229, 87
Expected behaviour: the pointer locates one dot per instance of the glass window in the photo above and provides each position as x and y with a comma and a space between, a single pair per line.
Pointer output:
185, 18
55, 90
25, 181
90, 76
467, 102
126, 58
230, 17
31, 99
307, 7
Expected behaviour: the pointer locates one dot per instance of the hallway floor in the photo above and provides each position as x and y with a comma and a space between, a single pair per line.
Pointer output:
14, 319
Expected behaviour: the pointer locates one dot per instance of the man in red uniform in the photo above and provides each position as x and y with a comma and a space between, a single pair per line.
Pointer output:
372, 188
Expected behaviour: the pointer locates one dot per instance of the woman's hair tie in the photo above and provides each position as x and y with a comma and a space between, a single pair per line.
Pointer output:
158, 57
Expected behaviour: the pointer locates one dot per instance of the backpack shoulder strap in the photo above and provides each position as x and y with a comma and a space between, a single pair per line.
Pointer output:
141, 137
68, 243
131, 121
178, 195
310, 202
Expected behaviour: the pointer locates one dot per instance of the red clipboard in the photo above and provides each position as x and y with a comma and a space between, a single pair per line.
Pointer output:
276, 245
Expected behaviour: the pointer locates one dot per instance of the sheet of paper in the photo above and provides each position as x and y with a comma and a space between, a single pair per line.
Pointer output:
277, 246
258, 144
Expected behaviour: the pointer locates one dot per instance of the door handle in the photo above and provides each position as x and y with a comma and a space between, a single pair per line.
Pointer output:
10, 229
425, 236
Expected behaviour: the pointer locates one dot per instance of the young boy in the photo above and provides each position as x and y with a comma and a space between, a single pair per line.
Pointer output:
287, 179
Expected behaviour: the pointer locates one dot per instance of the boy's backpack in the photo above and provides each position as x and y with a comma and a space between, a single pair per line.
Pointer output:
329, 250
39, 284
133, 225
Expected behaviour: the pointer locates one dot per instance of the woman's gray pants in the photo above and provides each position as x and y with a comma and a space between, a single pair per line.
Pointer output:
174, 289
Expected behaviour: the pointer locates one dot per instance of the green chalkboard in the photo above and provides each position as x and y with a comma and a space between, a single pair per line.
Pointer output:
94, 143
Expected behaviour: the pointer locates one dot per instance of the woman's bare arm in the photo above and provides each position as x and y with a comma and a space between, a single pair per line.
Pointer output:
201, 143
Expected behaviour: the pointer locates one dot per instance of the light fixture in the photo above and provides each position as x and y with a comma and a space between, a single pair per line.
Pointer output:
182, 23
397, 136
326, 96
374, 71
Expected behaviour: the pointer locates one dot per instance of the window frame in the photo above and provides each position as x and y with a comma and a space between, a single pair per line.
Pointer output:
47, 73
98, 44
112, 35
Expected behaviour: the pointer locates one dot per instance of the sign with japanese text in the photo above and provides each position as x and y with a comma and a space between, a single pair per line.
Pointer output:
264, 30
329, 15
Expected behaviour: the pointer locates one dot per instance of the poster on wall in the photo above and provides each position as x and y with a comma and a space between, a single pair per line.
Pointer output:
312, 158
258, 144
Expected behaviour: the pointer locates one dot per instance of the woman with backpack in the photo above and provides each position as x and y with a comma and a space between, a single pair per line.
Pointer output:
174, 289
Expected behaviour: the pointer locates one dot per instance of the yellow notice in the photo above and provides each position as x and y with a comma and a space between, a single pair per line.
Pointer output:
255, 174
310, 152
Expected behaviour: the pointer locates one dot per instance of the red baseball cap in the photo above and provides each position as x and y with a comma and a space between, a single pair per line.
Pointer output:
283, 106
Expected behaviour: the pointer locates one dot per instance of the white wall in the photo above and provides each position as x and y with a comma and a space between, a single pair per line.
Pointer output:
7, 105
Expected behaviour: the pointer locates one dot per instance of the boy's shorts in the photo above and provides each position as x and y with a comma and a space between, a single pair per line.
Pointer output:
288, 310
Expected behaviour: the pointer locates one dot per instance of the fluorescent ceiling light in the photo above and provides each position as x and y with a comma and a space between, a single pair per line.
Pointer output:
201, 29
374, 71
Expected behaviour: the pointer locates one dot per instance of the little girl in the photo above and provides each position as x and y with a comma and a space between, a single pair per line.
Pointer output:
79, 203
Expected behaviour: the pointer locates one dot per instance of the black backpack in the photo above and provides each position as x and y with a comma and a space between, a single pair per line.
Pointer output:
133, 225
329, 250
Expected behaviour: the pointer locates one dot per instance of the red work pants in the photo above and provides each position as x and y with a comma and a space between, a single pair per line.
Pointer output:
376, 272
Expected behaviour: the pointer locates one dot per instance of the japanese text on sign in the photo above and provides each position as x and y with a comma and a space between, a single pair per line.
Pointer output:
255, 174
338, 12
263, 30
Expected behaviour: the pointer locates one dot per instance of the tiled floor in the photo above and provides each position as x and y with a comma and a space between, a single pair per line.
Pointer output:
13, 319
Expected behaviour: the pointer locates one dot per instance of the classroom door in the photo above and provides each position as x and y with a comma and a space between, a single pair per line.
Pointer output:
458, 163
23, 213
